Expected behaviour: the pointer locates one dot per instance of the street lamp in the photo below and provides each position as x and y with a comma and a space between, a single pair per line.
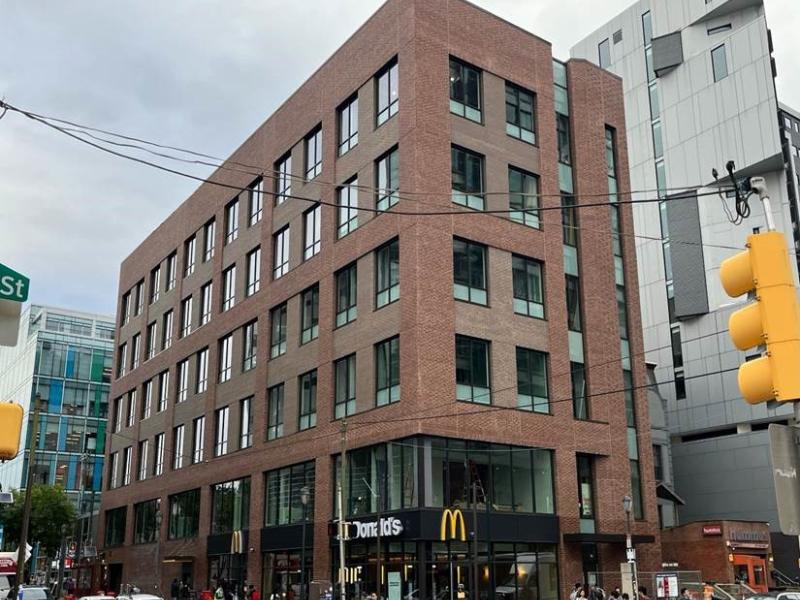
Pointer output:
304, 497
158, 518
630, 552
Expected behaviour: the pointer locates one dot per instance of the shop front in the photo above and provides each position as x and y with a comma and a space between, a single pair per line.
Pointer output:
429, 554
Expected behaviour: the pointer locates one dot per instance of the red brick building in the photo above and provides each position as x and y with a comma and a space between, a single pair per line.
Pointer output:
487, 356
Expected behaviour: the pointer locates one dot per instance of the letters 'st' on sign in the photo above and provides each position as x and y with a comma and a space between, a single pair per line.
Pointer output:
13, 286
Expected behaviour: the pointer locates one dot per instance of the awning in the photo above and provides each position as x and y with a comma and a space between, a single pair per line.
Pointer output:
607, 538
665, 492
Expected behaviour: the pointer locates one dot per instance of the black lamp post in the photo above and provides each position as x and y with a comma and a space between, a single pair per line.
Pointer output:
304, 497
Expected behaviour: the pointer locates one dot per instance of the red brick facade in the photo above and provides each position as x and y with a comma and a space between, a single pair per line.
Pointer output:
422, 34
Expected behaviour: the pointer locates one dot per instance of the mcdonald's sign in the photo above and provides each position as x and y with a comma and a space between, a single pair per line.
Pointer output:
455, 519
237, 542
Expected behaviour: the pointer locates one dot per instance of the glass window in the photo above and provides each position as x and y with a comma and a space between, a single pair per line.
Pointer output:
198, 439
189, 248
205, 302
202, 371
155, 284
163, 390
469, 272
184, 515
228, 288
347, 214
166, 330
275, 412
346, 295
283, 181
520, 113
115, 526
312, 222
388, 92
472, 370
226, 358
580, 406
122, 359
562, 132
585, 487
231, 221
719, 63
245, 423
465, 90
604, 54
135, 350
209, 233
308, 400
138, 298
523, 197
144, 446
177, 447
569, 221
387, 371
280, 246
125, 308
145, 530
221, 431
314, 153
253, 272
348, 125
647, 28
467, 178
658, 463
284, 487
543, 481
127, 454
278, 331
183, 381
655, 101
256, 200
147, 398
388, 179
528, 295
250, 346
532, 381
309, 305
573, 303
230, 506
387, 273
131, 414
158, 454
345, 386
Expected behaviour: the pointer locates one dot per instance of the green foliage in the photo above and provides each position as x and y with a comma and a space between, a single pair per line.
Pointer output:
50, 510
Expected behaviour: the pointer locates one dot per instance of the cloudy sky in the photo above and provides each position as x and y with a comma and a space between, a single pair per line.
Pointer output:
201, 74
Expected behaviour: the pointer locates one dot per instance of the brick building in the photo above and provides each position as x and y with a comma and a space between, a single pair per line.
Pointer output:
483, 360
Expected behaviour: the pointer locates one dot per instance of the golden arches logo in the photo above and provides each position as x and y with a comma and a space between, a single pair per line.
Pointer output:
456, 521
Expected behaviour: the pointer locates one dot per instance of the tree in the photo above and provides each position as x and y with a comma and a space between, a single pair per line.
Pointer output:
51, 509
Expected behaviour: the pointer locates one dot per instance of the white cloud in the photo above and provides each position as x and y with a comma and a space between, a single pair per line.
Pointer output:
200, 74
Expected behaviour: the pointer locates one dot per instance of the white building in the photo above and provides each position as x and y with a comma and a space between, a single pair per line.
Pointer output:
699, 89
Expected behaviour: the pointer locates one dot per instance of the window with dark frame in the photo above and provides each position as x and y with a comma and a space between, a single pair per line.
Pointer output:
228, 288
719, 63
346, 295
205, 302
278, 329
532, 381
473, 380
308, 400
344, 371
388, 179
253, 272
523, 197
467, 178
312, 224
604, 54
209, 235
313, 144
527, 284
280, 245
348, 125
275, 412
465, 90
387, 371
256, 202
221, 416
470, 282
520, 113
250, 346
283, 181
387, 83
309, 317
245, 423
347, 213
387, 274
231, 221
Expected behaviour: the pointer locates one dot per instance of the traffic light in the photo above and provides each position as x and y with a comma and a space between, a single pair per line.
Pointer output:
772, 320
10, 429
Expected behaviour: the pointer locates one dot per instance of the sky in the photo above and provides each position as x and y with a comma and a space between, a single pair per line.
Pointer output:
201, 74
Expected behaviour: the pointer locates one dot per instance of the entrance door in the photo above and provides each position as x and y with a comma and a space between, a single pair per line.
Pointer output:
115, 577
751, 570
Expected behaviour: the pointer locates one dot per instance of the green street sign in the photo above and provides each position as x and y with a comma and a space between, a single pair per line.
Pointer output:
13, 286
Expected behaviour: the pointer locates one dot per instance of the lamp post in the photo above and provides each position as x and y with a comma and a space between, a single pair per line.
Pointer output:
630, 552
158, 518
304, 496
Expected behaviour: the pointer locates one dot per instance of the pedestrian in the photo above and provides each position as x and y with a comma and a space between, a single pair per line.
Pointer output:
219, 593
174, 589
685, 595
615, 594
643, 593
254, 593
625, 596
582, 593
575, 589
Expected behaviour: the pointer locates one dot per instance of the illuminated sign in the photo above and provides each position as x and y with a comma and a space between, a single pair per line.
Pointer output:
712, 529
390, 526
455, 519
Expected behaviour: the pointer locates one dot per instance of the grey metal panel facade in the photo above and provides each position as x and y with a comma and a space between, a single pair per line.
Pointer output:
667, 52
686, 252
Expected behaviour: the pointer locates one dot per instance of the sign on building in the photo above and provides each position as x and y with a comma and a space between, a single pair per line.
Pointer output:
13, 292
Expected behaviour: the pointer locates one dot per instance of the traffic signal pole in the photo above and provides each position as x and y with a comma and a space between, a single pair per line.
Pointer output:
342, 524
26, 509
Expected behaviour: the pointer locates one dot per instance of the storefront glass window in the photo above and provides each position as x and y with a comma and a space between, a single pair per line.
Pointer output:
230, 506
283, 489
184, 514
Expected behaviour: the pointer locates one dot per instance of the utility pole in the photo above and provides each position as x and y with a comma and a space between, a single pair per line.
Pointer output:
377, 496
475, 574
26, 508
62, 556
342, 524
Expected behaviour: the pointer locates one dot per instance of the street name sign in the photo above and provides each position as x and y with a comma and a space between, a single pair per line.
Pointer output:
785, 468
13, 286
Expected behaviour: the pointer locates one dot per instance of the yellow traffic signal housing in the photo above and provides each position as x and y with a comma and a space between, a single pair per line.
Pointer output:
10, 429
773, 319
